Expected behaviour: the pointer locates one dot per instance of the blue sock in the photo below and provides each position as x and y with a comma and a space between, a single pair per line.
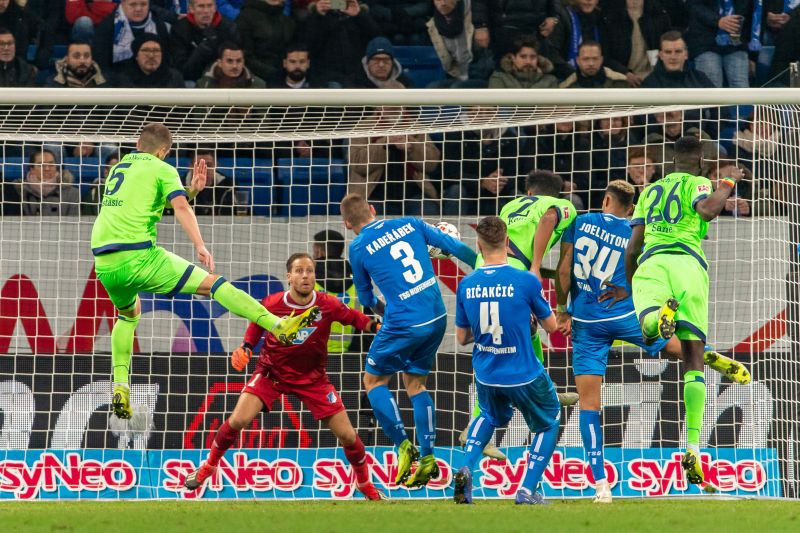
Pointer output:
478, 434
385, 408
592, 435
424, 422
541, 450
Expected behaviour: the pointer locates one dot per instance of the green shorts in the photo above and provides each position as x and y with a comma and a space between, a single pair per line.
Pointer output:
679, 276
125, 274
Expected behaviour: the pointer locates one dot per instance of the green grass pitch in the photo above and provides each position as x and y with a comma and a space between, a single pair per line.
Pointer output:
623, 516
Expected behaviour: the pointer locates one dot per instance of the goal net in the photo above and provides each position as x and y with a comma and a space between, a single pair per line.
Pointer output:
281, 163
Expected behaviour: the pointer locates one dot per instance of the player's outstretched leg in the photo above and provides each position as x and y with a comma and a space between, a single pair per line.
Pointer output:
479, 432
242, 304
247, 408
121, 351
425, 428
727, 366
356, 455
388, 415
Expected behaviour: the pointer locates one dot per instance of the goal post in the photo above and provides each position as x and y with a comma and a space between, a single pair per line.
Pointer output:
282, 160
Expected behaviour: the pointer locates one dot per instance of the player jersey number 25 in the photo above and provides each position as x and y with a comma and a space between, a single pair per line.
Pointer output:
671, 210
405, 253
114, 181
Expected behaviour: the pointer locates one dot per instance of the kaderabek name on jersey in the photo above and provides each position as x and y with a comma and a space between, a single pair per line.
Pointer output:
389, 237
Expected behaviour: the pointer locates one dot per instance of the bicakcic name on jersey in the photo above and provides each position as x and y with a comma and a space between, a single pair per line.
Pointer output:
389, 237
491, 291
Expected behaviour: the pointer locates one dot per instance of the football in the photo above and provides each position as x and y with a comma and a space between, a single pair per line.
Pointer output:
445, 227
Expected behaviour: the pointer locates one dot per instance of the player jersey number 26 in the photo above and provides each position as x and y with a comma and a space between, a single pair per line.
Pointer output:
671, 210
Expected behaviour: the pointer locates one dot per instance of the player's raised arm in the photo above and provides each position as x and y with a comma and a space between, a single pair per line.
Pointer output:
710, 206
544, 231
199, 177
185, 215
449, 244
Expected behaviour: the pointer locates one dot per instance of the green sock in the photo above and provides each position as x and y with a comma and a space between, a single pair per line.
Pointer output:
122, 346
650, 325
536, 340
694, 398
242, 304
476, 410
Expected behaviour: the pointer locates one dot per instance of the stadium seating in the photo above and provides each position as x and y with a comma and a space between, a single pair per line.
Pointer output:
309, 187
420, 63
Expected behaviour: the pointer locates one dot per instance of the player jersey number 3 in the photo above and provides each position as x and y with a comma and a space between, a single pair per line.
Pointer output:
405, 253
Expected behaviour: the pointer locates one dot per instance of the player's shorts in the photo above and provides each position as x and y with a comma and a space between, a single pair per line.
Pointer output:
591, 342
126, 274
320, 397
411, 350
680, 276
537, 401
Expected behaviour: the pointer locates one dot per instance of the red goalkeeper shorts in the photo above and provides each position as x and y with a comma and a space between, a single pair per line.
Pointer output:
320, 397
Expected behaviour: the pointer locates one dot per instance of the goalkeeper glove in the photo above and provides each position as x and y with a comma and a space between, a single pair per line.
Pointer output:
241, 356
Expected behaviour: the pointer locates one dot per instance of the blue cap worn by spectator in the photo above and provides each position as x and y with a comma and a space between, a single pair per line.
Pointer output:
379, 45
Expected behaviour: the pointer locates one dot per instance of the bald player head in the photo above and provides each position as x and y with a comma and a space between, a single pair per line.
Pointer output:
155, 139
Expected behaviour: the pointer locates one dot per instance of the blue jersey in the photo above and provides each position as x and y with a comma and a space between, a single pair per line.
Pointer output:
496, 302
394, 254
598, 256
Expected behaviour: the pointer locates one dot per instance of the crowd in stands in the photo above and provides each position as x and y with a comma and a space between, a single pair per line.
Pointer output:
526, 44
479, 43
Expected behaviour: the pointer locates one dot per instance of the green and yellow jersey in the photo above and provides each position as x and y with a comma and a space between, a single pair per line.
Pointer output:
136, 191
666, 208
522, 216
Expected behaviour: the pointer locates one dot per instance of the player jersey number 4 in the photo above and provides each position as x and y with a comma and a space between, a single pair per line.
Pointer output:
667, 210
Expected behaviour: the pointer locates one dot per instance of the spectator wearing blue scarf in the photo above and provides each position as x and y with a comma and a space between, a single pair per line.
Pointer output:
579, 21
721, 33
115, 34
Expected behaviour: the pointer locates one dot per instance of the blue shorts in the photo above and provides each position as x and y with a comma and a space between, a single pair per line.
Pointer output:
410, 350
591, 342
537, 401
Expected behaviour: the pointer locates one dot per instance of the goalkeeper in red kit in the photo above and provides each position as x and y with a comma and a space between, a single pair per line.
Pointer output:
298, 369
